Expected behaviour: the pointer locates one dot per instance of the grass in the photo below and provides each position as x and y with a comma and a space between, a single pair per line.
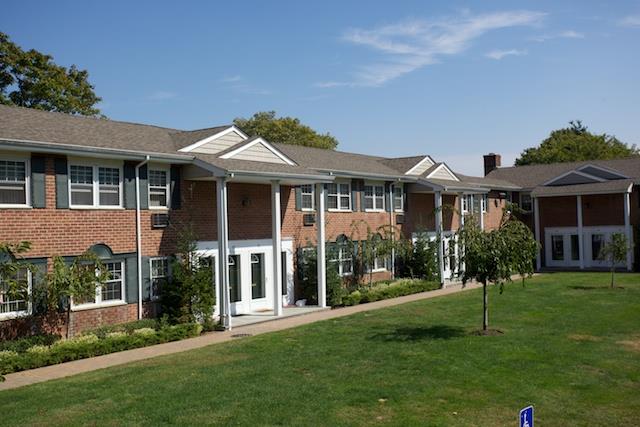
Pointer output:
571, 347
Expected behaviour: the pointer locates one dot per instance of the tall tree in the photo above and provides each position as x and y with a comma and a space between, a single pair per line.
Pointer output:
31, 79
286, 130
576, 143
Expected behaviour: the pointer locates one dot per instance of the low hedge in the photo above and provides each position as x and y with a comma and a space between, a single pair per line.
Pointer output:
90, 345
22, 344
388, 290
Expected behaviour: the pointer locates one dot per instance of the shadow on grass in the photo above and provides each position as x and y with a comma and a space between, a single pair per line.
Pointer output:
435, 332
593, 288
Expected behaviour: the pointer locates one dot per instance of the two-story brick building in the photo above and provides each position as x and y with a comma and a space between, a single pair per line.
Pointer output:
68, 184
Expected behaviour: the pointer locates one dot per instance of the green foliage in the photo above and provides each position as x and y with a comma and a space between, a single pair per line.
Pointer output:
419, 259
387, 290
91, 345
20, 345
11, 263
614, 252
31, 79
285, 130
308, 270
576, 143
189, 295
128, 327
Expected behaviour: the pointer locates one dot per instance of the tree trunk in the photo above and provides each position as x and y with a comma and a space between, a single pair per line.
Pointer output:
68, 319
613, 272
485, 308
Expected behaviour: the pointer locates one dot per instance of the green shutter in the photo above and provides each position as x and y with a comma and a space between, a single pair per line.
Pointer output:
62, 186
130, 185
146, 278
38, 197
387, 197
362, 201
144, 188
176, 198
354, 193
298, 190
131, 279
326, 198
37, 284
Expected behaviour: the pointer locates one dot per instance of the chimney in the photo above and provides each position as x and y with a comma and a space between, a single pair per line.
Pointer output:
492, 161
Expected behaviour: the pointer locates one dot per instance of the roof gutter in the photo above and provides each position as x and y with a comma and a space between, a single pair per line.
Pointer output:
586, 193
100, 152
398, 178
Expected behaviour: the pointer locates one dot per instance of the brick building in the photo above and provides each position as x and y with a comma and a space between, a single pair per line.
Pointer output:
69, 184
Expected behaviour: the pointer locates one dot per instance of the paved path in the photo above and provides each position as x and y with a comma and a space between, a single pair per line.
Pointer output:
47, 373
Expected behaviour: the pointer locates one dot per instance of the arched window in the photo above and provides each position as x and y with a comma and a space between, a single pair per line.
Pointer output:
343, 255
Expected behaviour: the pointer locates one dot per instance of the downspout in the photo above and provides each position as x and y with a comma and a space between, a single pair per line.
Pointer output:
139, 235
391, 225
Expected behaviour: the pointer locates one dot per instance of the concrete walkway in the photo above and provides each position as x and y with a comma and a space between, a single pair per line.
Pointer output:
52, 372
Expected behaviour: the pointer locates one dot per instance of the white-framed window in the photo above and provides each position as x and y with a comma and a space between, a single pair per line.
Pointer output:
379, 262
111, 292
339, 196
159, 188
159, 269
525, 202
307, 199
12, 305
343, 256
465, 203
93, 185
398, 198
257, 276
483, 202
14, 182
374, 197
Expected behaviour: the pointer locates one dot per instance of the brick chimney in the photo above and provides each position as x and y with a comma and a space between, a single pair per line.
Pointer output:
492, 161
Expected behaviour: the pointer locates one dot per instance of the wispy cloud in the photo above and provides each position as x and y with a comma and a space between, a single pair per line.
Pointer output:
240, 85
162, 95
630, 21
499, 54
566, 34
411, 45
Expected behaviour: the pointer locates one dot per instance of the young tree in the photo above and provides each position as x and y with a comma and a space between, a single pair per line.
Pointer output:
494, 256
285, 130
31, 79
75, 282
615, 251
576, 143
11, 263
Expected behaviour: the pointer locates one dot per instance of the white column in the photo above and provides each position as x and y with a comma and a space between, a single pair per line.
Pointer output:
580, 232
460, 201
627, 231
438, 204
536, 226
481, 211
321, 253
276, 238
224, 298
392, 225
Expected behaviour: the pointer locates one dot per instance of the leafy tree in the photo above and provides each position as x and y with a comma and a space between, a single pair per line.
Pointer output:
576, 143
285, 130
77, 281
31, 79
11, 263
615, 251
495, 256
308, 270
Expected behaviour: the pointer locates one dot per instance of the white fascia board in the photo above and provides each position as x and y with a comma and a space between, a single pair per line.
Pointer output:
603, 169
443, 165
259, 140
577, 172
210, 138
426, 159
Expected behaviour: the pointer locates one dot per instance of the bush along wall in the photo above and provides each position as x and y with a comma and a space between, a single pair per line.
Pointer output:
387, 290
33, 352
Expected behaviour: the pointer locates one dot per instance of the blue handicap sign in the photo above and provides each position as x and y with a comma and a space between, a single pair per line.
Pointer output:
526, 417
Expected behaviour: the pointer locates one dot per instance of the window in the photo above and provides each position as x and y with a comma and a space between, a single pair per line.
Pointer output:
398, 198
15, 303
575, 247
95, 186
234, 278
159, 275
306, 197
339, 197
113, 288
343, 256
483, 202
465, 204
14, 177
557, 247
158, 189
379, 262
525, 202
374, 197
257, 276
597, 242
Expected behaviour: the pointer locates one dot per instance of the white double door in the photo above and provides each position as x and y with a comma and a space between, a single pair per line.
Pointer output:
562, 245
450, 253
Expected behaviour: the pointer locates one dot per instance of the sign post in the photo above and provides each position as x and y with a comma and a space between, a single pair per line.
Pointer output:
526, 417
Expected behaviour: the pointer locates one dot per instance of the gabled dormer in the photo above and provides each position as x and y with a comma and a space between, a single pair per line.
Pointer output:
257, 149
218, 142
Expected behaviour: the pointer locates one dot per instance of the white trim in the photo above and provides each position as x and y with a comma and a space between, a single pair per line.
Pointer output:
153, 297
571, 172
98, 298
259, 140
27, 180
321, 250
340, 195
449, 171
536, 226
313, 198
210, 138
15, 314
160, 168
588, 193
628, 232
393, 197
373, 197
603, 169
417, 165
95, 170
580, 232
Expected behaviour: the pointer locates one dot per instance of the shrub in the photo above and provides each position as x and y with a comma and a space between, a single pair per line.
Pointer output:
22, 344
385, 290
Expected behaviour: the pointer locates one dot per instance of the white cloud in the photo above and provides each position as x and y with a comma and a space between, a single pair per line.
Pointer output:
240, 85
410, 45
499, 54
630, 21
566, 34
162, 95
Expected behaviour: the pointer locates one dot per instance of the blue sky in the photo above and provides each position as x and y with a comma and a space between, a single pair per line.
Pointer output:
454, 79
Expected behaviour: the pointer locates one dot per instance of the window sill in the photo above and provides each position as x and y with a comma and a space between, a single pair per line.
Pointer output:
92, 306
307, 210
340, 210
374, 210
97, 208
159, 208
13, 315
399, 211
16, 207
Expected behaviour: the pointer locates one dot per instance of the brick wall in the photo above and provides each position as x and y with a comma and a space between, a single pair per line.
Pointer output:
603, 209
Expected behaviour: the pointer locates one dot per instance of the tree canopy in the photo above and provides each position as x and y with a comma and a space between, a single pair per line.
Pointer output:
285, 130
31, 79
576, 143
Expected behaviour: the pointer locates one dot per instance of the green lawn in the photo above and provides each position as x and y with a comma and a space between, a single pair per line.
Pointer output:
571, 347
